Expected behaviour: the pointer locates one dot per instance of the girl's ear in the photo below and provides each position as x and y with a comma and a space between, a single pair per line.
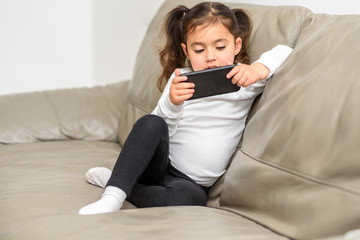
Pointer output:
184, 49
238, 45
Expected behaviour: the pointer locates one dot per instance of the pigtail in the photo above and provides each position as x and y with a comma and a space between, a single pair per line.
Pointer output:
172, 55
245, 28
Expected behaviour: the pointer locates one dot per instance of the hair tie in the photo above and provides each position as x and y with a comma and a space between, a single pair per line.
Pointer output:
186, 10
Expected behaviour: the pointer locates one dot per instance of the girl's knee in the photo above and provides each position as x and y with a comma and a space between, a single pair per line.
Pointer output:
151, 124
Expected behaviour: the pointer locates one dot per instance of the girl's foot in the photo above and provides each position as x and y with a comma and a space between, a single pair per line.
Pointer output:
111, 201
98, 176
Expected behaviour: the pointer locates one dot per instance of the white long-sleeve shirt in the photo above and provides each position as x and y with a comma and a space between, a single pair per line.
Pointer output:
204, 133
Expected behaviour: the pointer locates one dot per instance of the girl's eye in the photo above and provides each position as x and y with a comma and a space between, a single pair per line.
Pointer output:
220, 48
198, 50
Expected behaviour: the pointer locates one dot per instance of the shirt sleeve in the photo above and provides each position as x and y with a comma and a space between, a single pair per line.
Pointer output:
273, 58
167, 110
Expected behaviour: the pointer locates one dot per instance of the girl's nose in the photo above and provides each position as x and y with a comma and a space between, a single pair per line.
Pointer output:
210, 56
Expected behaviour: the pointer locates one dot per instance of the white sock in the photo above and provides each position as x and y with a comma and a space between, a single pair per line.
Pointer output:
98, 176
111, 201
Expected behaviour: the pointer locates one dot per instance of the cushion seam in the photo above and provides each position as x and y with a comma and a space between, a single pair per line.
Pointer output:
302, 175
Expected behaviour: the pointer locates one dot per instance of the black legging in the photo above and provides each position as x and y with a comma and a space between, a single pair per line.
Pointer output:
143, 171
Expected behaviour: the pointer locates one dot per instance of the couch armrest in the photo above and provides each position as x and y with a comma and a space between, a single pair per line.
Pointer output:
81, 113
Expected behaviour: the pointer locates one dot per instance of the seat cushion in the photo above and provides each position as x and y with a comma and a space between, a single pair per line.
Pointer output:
42, 187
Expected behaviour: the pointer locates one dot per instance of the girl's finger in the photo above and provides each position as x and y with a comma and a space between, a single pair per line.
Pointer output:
177, 72
232, 72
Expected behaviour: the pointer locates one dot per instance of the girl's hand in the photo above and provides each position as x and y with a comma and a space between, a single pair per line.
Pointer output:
180, 90
244, 75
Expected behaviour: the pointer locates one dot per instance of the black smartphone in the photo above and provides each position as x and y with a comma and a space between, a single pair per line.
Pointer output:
211, 82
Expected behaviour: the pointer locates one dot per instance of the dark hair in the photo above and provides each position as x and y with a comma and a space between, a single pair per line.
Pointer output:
181, 20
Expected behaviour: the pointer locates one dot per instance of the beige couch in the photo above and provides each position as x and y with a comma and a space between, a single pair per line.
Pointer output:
296, 173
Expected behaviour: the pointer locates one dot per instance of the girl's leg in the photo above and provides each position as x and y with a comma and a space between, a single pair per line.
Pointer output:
145, 155
177, 189
148, 142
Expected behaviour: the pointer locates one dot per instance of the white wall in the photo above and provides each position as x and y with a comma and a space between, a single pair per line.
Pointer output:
71, 43
118, 29
44, 44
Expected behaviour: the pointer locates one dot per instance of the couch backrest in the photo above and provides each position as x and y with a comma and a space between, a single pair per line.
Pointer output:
90, 114
272, 26
298, 169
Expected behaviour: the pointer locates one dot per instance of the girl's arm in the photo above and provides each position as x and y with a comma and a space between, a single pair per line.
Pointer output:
245, 75
170, 112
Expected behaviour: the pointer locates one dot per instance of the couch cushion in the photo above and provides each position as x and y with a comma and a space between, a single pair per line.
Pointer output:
42, 187
83, 113
298, 168
272, 26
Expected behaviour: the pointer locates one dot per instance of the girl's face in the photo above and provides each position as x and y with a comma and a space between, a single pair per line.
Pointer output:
211, 46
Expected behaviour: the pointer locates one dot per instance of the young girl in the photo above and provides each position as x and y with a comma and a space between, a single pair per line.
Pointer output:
174, 155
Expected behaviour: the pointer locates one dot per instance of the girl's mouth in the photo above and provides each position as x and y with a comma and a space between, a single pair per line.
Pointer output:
210, 67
